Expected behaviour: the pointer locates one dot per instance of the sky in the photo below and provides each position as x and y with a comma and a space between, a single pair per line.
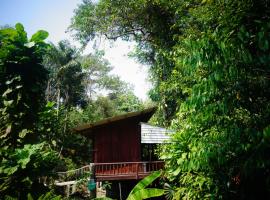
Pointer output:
54, 16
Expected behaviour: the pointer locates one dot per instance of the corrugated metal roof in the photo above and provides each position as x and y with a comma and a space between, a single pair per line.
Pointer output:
153, 134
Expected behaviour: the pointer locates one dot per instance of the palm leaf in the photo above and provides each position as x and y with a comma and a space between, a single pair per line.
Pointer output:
169, 191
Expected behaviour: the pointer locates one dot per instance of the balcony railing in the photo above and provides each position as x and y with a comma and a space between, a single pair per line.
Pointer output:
125, 170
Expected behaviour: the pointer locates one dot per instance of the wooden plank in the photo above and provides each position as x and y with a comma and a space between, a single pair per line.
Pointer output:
65, 183
121, 177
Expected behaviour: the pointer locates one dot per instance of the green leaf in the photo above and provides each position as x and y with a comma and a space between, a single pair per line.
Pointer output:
8, 103
24, 162
50, 104
6, 92
266, 133
11, 32
23, 133
7, 197
146, 193
54, 143
8, 130
9, 82
10, 170
22, 34
177, 171
49, 196
17, 78
39, 36
24, 155
27, 181
169, 191
146, 181
29, 197
19, 27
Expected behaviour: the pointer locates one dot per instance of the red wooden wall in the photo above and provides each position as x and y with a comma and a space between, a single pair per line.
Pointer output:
117, 142
117, 139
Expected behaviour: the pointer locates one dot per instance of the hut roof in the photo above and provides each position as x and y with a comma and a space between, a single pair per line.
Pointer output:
141, 116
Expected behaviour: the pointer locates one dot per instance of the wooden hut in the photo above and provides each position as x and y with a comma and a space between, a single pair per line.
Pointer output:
123, 145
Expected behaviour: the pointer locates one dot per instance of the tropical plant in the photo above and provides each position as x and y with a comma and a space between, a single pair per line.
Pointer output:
23, 158
22, 79
141, 192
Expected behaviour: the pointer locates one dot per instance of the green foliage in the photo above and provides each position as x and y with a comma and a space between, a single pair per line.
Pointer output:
48, 196
37, 139
47, 125
148, 23
22, 79
221, 122
23, 158
76, 80
141, 192
98, 78
209, 63
23, 165
127, 102
65, 85
39, 36
169, 191
77, 84
73, 148
146, 194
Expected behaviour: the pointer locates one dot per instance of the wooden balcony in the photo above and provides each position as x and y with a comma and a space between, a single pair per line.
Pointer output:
125, 170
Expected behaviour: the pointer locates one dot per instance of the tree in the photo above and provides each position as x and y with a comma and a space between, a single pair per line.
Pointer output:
224, 121
98, 78
152, 24
20, 59
23, 158
65, 85
208, 62
85, 92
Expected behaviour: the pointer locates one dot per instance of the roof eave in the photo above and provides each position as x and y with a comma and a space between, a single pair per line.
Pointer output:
110, 120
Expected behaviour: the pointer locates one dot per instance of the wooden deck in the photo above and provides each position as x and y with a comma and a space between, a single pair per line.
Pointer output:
125, 170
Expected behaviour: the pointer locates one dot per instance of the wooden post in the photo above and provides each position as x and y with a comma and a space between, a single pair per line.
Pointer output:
67, 190
93, 193
120, 190
137, 171
144, 168
73, 188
